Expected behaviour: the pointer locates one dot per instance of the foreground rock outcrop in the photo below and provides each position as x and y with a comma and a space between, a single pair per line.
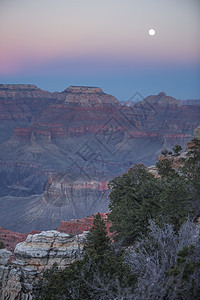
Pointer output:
72, 227
32, 257
42, 250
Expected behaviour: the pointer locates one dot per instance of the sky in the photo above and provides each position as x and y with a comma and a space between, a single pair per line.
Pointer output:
105, 43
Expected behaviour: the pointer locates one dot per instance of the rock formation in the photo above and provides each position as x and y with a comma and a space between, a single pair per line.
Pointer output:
13, 91
4, 256
161, 99
197, 133
57, 150
72, 227
64, 198
32, 257
88, 96
43, 249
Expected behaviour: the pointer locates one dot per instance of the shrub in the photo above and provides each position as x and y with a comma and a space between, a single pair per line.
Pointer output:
1, 245
177, 149
167, 264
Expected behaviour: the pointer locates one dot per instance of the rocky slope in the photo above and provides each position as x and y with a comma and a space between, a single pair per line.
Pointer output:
57, 149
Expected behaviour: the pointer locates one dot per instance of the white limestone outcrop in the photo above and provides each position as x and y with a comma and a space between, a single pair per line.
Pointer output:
32, 257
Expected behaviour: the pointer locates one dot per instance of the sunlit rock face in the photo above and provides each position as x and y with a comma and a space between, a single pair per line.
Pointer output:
62, 190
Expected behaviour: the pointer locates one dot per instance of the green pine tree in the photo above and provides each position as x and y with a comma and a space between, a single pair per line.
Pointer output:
99, 275
1, 245
191, 171
177, 149
133, 201
175, 200
165, 168
98, 242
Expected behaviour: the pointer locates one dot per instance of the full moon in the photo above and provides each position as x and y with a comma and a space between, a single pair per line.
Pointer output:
152, 32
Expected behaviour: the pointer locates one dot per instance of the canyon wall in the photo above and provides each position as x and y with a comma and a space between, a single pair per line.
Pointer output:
58, 151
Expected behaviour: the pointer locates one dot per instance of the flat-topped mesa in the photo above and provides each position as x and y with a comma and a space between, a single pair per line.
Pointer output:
87, 95
83, 90
14, 91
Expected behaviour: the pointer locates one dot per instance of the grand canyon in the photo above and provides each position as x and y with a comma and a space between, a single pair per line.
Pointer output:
58, 151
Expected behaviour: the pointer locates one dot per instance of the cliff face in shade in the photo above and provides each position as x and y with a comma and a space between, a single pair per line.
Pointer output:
64, 198
57, 150
21, 179
20, 105
172, 120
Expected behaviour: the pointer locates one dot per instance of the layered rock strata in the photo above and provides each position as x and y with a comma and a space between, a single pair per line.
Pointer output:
87, 96
33, 256
86, 135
